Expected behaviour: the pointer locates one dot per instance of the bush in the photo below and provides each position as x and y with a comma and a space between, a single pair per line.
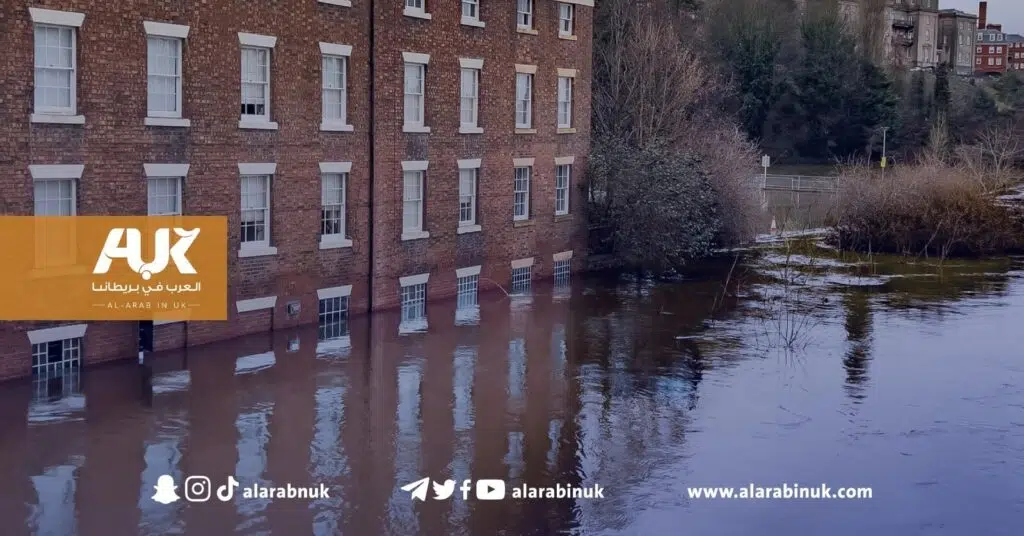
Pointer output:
926, 210
658, 204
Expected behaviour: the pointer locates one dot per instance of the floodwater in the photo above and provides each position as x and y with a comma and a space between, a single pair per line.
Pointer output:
802, 368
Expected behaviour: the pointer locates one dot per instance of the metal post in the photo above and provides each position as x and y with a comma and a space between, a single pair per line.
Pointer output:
884, 160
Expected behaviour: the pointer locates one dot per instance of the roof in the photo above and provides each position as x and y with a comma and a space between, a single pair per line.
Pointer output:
958, 13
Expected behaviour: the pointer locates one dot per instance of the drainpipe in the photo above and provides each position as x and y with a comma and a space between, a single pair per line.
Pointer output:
373, 144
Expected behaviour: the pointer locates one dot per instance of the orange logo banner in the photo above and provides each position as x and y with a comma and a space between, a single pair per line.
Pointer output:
114, 268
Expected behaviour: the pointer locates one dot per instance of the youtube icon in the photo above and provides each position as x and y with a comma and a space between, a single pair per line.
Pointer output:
490, 489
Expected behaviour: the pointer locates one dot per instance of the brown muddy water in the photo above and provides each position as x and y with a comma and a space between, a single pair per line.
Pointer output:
807, 369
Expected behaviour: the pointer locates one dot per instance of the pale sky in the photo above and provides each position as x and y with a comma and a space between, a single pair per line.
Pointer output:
1009, 13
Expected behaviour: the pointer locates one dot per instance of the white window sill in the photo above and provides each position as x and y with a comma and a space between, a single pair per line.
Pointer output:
59, 119
166, 322
334, 242
466, 229
335, 127
167, 122
255, 250
522, 222
415, 235
566, 130
521, 130
560, 215
257, 125
416, 14
418, 129
471, 130
473, 22
525, 30
343, 3
567, 37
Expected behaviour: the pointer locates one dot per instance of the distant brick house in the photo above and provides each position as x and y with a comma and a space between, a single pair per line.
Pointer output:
365, 160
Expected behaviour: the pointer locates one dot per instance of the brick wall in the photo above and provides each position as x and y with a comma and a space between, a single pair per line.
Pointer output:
114, 143
501, 47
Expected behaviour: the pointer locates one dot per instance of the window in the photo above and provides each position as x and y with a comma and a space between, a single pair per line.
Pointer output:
55, 197
562, 176
564, 102
978, 50
412, 202
977, 61
56, 359
991, 61
521, 279
164, 64
470, 98
332, 206
333, 318
991, 50
470, 11
255, 222
414, 302
467, 286
335, 90
521, 194
55, 70
415, 78
524, 14
416, 8
467, 197
562, 271
524, 97
999, 61
565, 19
255, 84
164, 195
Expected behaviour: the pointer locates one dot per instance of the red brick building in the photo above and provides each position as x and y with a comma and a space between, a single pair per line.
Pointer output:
369, 154
990, 52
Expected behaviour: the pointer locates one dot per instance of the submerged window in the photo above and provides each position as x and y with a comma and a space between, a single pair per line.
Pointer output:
562, 271
333, 318
414, 302
467, 291
53, 362
521, 279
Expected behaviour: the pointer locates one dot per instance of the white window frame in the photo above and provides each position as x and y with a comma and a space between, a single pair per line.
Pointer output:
524, 18
342, 53
467, 287
341, 169
567, 76
416, 9
420, 62
562, 8
61, 20
519, 164
412, 285
264, 43
261, 247
342, 3
473, 166
71, 173
415, 169
566, 163
472, 67
160, 172
524, 73
471, 20
177, 33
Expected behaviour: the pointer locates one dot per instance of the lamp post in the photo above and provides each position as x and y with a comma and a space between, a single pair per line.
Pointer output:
884, 130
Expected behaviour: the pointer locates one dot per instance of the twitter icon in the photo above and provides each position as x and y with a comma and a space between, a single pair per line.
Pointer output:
418, 489
444, 491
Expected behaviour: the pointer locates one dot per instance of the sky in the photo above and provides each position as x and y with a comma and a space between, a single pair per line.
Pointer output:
1009, 13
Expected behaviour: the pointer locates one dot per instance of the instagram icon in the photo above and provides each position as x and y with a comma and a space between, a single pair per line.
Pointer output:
197, 489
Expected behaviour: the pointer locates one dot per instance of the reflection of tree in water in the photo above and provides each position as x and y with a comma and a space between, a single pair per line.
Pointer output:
858, 335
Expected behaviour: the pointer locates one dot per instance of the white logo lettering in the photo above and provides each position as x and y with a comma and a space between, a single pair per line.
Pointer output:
132, 251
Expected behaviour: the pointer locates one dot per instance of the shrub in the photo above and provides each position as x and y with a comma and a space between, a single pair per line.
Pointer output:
658, 204
925, 210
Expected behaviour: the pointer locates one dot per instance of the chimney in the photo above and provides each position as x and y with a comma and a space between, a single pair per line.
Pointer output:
982, 15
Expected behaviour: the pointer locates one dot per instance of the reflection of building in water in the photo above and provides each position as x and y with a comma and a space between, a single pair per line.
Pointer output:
858, 335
